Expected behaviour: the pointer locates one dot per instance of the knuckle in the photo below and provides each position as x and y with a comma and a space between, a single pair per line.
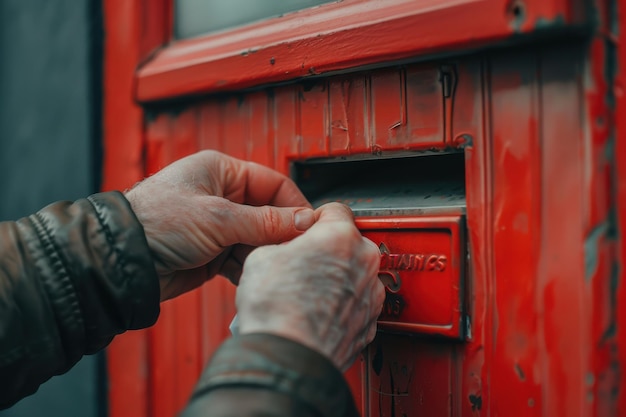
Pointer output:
346, 233
208, 153
335, 206
258, 255
271, 221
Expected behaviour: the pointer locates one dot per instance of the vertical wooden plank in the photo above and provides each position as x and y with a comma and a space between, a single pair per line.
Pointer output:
355, 96
602, 379
466, 104
387, 107
314, 118
409, 377
122, 167
425, 107
123, 118
218, 310
183, 139
479, 172
209, 131
339, 102
234, 130
619, 156
188, 357
286, 137
162, 353
259, 146
517, 192
560, 278
157, 135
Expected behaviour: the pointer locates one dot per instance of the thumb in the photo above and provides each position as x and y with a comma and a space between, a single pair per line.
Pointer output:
268, 225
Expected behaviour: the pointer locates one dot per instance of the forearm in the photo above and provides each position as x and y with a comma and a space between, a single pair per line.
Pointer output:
72, 276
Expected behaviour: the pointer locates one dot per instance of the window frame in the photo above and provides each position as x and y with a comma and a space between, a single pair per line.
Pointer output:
337, 37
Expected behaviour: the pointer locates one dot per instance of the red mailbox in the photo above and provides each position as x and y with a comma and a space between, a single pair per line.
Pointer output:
479, 143
422, 264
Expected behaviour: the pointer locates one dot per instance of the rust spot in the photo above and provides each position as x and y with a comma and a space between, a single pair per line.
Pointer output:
338, 124
395, 125
516, 11
476, 401
592, 248
272, 61
463, 140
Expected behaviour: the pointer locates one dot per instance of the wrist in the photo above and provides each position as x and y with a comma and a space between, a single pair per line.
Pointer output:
290, 328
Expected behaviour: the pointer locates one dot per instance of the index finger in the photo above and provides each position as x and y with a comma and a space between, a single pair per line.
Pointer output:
264, 186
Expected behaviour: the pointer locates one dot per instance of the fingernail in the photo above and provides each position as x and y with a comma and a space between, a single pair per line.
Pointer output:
303, 219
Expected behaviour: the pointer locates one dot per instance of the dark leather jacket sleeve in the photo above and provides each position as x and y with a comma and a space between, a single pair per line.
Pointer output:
263, 375
72, 276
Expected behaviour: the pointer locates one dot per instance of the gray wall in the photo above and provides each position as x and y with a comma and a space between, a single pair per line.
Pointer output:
49, 115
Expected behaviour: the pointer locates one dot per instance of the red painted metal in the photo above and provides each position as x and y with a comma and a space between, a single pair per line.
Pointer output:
392, 387
422, 264
540, 126
360, 32
127, 360
618, 293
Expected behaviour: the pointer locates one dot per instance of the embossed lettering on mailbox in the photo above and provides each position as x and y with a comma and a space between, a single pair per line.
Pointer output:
411, 261
422, 268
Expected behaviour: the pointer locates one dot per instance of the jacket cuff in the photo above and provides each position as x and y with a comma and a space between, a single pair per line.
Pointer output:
131, 259
272, 362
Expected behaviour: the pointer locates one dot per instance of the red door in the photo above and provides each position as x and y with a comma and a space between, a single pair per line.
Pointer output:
476, 140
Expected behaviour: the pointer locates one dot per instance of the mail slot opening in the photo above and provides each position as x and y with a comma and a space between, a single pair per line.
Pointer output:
413, 208
423, 184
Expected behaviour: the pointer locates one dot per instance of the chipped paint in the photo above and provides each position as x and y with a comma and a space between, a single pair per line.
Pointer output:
542, 23
516, 12
591, 245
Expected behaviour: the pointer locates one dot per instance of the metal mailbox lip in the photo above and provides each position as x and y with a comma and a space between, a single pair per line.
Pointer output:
455, 225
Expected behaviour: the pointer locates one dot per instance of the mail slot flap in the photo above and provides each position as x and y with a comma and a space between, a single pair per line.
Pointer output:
422, 184
435, 196
422, 265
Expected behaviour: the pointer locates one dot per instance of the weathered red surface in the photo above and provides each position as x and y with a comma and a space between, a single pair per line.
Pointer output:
540, 127
618, 289
123, 166
343, 35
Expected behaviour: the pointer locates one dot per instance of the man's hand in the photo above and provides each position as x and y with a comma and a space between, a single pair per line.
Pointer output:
321, 289
203, 215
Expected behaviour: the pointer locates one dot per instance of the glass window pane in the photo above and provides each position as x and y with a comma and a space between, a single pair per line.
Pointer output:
197, 17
